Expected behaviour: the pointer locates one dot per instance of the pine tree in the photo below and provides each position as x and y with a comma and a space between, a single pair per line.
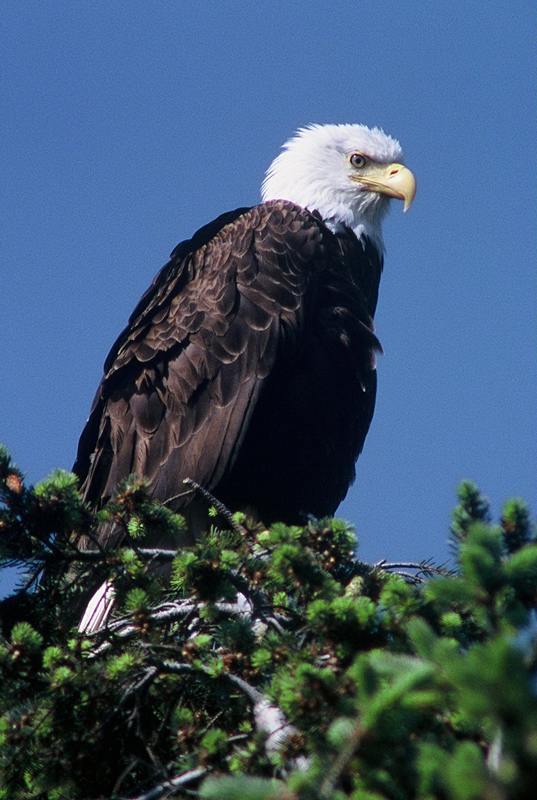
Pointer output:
271, 665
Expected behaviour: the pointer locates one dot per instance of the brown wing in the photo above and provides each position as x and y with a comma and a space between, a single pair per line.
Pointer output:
182, 381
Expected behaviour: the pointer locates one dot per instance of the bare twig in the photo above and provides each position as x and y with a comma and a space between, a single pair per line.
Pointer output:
269, 718
211, 500
170, 611
423, 569
167, 786
253, 694
153, 553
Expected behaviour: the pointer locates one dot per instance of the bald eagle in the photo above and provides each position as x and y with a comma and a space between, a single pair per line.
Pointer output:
249, 363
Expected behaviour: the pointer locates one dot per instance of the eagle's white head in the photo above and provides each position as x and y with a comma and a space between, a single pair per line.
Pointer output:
348, 173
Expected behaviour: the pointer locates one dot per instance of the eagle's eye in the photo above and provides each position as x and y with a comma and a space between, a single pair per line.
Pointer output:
357, 160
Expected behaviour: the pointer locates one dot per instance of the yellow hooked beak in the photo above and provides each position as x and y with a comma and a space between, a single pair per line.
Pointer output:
395, 180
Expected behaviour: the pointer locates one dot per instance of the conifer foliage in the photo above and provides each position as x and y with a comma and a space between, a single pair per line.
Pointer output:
271, 665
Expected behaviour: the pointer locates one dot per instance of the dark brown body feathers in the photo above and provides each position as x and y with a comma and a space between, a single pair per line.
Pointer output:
248, 366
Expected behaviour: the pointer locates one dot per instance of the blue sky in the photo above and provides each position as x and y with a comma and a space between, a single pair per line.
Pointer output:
126, 126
